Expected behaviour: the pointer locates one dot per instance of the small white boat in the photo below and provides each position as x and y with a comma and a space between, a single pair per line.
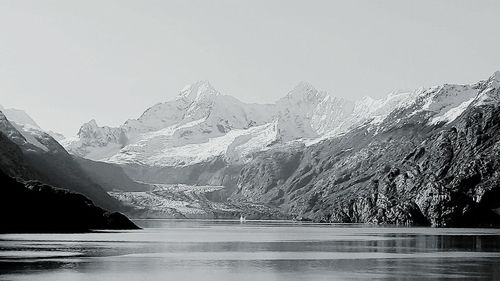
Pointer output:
242, 219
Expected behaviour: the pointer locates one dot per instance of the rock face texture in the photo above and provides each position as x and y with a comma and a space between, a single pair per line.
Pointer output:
416, 167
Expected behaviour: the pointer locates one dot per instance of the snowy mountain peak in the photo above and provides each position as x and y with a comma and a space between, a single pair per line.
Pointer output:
91, 124
489, 91
19, 117
366, 99
304, 86
30, 130
305, 91
302, 95
496, 75
24, 133
2, 115
88, 128
197, 91
91, 133
203, 122
397, 93
494, 80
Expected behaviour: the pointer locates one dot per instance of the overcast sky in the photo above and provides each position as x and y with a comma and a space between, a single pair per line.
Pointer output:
66, 62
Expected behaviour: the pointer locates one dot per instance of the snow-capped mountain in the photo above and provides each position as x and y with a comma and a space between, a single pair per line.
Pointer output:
177, 132
196, 102
202, 125
96, 142
427, 157
19, 116
308, 113
31, 132
440, 104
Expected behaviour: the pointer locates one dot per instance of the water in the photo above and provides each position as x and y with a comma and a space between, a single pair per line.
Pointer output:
228, 250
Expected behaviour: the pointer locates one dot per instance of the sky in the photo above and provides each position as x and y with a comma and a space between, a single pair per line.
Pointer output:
66, 62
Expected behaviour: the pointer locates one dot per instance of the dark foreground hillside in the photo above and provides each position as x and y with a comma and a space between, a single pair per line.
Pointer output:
36, 207
48, 163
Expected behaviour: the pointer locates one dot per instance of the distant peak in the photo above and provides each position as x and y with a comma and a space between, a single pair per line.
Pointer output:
198, 90
19, 117
304, 86
92, 123
367, 99
396, 93
496, 75
305, 90
197, 84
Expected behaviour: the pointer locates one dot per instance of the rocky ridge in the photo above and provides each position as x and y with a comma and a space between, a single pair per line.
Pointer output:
432, 161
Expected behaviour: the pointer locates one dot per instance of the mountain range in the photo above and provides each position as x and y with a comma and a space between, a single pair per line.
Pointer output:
433, 160
422, 157
43, 188
179, 140
202, 124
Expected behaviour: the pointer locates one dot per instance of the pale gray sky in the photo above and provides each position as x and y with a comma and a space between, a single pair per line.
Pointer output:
66, 62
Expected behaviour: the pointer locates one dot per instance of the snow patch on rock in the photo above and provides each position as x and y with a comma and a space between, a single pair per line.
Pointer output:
452, 113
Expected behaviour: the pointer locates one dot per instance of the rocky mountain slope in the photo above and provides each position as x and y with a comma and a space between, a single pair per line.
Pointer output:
434, 160
19, 116
31, 164
22, 119
32, 154
110, 177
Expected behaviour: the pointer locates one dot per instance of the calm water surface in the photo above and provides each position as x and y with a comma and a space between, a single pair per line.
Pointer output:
228, 250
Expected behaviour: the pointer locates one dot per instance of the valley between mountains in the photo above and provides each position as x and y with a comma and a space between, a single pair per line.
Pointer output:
425, 157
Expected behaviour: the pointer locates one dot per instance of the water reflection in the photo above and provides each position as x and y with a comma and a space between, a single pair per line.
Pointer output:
222, 250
